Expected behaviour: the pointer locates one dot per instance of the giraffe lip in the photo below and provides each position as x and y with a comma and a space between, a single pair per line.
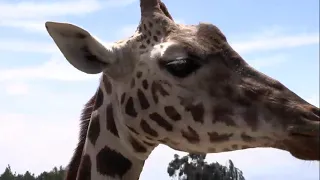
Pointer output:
304, 131
303, 143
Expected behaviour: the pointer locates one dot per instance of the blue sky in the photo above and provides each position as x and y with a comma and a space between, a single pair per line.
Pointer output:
41, 95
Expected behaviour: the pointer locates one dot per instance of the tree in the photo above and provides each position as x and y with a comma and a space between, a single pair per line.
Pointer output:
54, 174
28, 176
194, 167
7, 174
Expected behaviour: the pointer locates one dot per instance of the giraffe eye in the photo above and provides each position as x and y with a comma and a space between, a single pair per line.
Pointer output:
182, 67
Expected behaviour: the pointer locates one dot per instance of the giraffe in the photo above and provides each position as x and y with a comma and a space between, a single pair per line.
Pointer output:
179, 85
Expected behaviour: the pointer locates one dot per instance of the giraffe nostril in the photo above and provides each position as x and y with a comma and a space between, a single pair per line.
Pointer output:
311, 113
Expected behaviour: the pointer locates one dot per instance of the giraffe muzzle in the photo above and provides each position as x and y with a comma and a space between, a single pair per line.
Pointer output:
304, 139
311, 130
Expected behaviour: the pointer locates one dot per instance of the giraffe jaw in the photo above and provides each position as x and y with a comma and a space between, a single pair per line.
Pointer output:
304, 142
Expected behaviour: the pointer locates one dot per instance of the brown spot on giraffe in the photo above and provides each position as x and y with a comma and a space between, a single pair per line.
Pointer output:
191, 135
216, 137
223, 113
247, 138
155, 88
111, 125
132, 130
145, 27
197, 112
130, 109
144, 103
94, 129
142, 46
149, 143
137, 146
150, 24
145, 84
133, 83
172, 113
85, 168
161, 121
155, 38
139, 74
99, 99
120, 164
148, 129
107, 84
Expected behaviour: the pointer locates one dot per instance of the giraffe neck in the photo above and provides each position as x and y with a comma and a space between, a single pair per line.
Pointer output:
101, 153
108, 159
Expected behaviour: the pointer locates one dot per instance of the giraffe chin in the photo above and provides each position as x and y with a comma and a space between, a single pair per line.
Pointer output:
304, 147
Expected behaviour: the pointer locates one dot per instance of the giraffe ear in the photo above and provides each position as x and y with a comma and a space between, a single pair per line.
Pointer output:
81, 50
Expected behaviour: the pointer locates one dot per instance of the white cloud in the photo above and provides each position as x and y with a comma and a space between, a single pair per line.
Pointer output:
26, 25
314, 99
179, 21
279, 41
15, 45
16, 88
57, 68
29, 142
127, 30
30, 16
268, 61
24, 10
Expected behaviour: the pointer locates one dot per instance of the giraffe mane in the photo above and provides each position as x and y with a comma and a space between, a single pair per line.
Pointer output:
73, 166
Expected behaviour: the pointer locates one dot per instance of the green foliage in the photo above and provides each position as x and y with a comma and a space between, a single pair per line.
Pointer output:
54, 174
190, 167
194, 167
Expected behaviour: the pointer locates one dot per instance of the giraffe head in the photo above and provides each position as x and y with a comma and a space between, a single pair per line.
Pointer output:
184, 86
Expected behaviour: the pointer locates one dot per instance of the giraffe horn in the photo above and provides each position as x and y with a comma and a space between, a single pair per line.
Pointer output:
156, 9
148, 6
164, 9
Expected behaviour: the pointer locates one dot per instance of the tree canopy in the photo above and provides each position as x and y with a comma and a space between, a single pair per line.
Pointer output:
194, 167
189, 167
54, 174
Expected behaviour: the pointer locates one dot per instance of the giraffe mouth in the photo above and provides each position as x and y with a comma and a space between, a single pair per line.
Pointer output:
303, 142
307, 131
309, 127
